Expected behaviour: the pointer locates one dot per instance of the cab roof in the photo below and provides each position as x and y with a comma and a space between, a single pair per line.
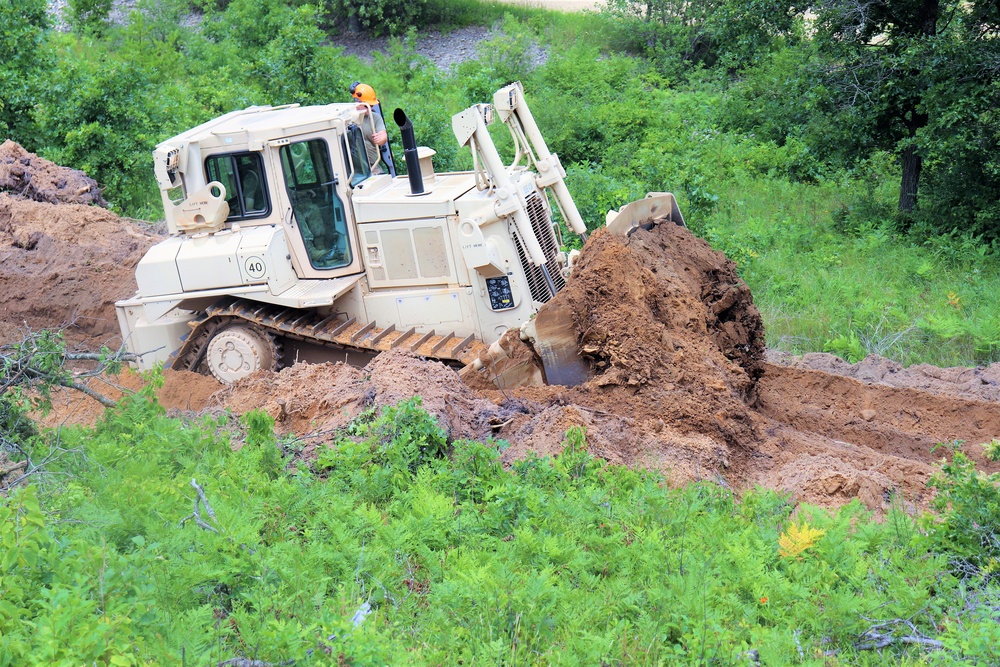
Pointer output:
259, 124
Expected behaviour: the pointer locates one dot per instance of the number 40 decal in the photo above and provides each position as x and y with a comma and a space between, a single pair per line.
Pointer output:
254, 267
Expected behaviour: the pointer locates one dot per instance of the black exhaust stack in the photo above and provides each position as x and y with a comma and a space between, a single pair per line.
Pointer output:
409, 152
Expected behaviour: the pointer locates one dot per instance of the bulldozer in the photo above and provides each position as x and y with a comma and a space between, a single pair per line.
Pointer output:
286, 245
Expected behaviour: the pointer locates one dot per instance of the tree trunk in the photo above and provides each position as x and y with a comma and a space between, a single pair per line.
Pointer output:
912, 163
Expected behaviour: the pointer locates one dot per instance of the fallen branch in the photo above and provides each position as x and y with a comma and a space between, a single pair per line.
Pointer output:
196, 514
247, 662
98, 356
874, 638
38, 361
203, 498
100, 398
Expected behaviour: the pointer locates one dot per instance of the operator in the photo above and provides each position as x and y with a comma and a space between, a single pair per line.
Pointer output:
376, 138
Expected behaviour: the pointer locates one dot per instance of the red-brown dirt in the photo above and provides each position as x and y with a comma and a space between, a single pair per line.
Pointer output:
65, 259
681, 383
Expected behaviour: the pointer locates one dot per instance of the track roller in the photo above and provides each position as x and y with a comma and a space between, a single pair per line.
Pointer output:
236, 351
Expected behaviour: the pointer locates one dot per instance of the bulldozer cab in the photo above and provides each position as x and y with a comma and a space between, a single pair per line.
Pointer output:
291, 167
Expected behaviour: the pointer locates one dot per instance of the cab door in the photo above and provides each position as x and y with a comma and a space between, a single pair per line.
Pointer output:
321, 230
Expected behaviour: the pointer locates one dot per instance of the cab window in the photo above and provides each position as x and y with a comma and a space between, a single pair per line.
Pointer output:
246, 188
359, 155
318, 209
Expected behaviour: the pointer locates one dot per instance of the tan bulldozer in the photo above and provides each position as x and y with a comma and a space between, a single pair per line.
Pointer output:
286, 245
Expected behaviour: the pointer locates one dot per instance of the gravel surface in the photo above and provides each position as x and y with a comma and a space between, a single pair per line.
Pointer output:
443, 49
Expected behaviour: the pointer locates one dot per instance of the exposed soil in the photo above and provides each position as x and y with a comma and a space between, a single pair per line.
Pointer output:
681, 382
65, 259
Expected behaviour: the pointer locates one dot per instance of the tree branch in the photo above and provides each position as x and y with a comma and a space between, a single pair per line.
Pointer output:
874, 638
196, 514
103, 400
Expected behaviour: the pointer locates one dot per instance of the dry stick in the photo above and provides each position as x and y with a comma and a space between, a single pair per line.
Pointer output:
880, 640
196, 514
97, 356
247, 662
204, 500
103, 400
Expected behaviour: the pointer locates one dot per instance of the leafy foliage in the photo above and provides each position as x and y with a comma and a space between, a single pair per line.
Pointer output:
381, 17
731, 33
969, 500
23, 59
384, 549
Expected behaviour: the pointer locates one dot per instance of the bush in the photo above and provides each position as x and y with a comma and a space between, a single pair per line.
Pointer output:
968, 529
380, 17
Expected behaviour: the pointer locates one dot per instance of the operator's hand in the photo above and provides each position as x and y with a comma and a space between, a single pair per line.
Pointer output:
379, 138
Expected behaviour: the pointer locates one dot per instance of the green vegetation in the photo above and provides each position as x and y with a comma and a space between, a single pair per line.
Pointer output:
395, 547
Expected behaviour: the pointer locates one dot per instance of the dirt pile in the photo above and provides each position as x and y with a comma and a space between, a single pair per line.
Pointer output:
962, 382
66, 265
181, 391
317, 399
672, 331
24, 174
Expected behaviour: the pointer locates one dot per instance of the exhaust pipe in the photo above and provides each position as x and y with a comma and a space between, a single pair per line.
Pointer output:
409, 152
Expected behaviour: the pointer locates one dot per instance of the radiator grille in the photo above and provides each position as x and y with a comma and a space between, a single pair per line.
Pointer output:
542, 226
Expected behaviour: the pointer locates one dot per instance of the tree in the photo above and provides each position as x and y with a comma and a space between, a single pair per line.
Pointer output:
731, 33
22, 33
898, 64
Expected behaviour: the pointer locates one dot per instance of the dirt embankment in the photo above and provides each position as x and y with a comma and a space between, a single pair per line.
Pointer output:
681, 383
65, 259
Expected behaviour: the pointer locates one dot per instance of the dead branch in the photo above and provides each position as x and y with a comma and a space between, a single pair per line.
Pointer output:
196, 514
247, 662
100, 398
39, 359
120, 355
880, 635
203, 498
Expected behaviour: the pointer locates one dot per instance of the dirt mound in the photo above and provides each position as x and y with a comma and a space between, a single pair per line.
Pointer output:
640, 300
672, 332
24, 174
66, 265
321, 398
182, 391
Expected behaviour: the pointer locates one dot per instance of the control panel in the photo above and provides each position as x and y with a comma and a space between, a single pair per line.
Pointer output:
501, 297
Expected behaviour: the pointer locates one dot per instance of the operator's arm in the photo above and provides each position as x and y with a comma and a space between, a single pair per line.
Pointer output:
380, 136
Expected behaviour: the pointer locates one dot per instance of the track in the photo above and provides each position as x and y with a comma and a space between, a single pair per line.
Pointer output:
335, 332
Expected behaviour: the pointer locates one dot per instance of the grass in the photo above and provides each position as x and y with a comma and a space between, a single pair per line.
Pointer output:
865, 290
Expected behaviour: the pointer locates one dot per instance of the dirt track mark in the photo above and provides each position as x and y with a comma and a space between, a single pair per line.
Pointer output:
897, 421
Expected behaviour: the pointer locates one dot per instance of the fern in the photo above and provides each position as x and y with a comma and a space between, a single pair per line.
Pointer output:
798, 539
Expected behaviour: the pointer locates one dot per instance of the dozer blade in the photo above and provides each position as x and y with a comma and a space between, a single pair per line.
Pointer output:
555, 340
654, 208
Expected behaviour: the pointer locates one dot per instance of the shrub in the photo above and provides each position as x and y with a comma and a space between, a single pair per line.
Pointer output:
968, 529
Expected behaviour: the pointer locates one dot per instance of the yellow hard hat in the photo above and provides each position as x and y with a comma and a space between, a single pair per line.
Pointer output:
364, 93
